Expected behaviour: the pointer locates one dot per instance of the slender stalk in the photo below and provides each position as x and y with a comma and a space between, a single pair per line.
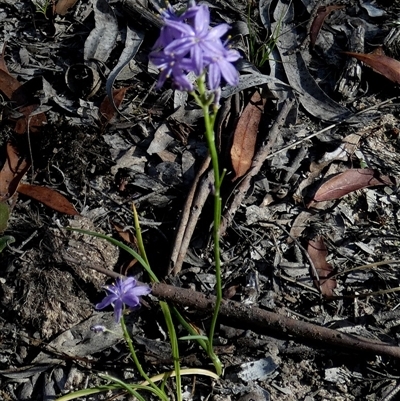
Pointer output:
175, 349
209, 120
128, 340
165, 309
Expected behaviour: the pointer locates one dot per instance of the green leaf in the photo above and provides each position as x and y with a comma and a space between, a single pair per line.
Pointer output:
4, 215
7, 239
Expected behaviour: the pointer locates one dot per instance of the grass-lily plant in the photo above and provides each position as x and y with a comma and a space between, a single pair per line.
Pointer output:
187, 44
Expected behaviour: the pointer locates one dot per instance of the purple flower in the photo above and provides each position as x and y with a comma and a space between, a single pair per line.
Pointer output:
124, 292
171, 65
197, 38
188, 44
98, 328
222, 65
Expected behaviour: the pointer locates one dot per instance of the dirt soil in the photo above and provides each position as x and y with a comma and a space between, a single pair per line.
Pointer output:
310, 235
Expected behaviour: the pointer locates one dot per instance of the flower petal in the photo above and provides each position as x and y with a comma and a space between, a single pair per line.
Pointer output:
218, 31
118, 306
108, 300
131, 300
141, 290
202, 20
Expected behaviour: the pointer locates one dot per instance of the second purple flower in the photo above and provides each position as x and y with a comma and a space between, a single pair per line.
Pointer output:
124, 292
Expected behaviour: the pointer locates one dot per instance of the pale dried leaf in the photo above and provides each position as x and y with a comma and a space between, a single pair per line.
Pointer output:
245, 136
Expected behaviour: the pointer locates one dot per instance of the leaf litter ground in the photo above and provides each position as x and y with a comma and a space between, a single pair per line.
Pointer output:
310, 220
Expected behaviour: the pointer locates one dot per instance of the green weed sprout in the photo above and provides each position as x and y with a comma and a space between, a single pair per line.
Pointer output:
42, 6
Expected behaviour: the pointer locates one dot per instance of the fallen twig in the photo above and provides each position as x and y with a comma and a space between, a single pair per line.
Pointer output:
193, 206
264, 322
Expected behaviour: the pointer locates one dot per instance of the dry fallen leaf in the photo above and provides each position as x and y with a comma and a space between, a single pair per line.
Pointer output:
350, 181
245, 136
48, 197
63, 6
387, 66
8, 84
319, 19
19, 97
107, 110
126, 235
12, 172
317, 251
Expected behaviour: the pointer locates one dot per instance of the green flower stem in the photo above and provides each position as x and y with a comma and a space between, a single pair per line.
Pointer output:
209, 120
165, 309
128, 340
175, 349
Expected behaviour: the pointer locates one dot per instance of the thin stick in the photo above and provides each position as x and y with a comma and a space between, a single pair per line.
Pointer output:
188, 221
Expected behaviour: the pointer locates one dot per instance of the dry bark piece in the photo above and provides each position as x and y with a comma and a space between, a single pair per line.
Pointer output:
311, 96
384, 65
318, 252
319, 19
102, 38
245, 136
12, 172
350, 181
48, 197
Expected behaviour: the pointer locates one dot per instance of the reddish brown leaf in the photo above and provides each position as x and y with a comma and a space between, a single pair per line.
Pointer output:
387, 66
36, 121
17, 94
63, 6
12, 172
317, 251
126, 235
107, 110
8, 84
48, 197
245, 136
350, 181
318, 21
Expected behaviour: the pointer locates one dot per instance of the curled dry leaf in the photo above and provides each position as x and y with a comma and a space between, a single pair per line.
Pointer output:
245, 136
107, 110
317, 251
48, 197
319, 19
387, 66
16, 92
126, 235
350, 181
12, 172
